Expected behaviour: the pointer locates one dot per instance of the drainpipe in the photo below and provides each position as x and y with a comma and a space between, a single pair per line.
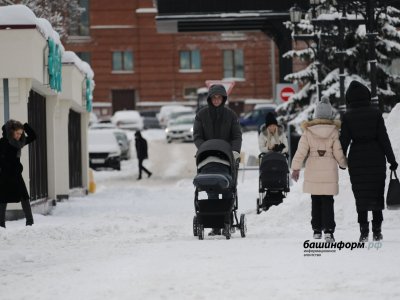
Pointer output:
6, 100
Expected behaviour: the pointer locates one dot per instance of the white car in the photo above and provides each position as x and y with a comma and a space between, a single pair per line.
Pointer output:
104, 150
166, 111
128, 119
180, 128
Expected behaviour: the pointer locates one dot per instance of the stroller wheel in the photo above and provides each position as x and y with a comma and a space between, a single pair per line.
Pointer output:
258, 206
200, 231
195, 226
243, 225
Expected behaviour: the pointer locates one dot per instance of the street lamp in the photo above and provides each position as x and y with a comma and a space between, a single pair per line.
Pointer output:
295, 14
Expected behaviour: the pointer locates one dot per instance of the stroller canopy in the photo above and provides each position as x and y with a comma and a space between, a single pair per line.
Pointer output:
216, 147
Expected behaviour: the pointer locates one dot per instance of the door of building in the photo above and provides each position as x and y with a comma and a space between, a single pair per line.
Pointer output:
123, 100
74, 149
38, 149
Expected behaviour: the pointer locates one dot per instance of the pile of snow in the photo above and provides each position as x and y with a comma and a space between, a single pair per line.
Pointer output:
22, 15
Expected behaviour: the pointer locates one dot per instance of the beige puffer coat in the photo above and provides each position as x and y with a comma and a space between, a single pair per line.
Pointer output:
320, 142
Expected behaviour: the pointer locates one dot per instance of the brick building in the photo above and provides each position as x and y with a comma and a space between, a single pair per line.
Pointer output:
135, 66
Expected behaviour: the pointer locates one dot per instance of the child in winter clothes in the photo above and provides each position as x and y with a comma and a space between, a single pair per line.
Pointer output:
320, 142
272, 137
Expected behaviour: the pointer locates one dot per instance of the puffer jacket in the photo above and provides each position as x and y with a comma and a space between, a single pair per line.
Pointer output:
320, 145
217, 122
266, 141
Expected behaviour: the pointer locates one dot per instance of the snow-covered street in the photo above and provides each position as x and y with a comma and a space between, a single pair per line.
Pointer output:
133, 240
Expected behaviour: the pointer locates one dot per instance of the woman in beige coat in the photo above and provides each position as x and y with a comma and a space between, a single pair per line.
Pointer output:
320, 145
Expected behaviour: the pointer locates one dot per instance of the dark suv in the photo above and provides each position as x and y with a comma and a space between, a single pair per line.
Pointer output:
255, 118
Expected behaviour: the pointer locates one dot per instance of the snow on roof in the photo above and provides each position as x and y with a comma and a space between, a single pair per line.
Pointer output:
146, 10
84, 67
16, 15
22, 15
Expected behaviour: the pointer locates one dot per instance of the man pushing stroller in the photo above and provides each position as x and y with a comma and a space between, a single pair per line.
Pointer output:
215, 121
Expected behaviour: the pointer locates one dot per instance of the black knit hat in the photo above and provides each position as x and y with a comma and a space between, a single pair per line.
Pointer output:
270, 119
357, 92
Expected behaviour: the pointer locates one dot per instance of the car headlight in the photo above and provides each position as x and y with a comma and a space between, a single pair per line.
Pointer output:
166, 130
112, 154
191, 130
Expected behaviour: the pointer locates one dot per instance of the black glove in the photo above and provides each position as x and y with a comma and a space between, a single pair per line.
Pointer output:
394, 166
281, 147
278, 148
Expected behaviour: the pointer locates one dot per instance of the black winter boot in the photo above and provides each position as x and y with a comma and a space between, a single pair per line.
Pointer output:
377, 232
364, 229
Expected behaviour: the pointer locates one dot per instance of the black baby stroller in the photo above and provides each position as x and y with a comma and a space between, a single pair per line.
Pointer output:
273, 180
216, 175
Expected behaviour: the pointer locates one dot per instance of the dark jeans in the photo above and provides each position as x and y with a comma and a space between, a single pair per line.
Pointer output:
26, 207
377, 217
322, 213
141, 168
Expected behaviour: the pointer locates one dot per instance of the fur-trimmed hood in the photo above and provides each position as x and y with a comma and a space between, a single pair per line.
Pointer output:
321, 127
263, 129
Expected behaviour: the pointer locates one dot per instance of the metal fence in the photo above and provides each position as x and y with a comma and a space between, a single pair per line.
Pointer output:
38, 149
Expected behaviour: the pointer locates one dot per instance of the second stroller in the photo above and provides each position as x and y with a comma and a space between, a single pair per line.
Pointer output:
273, 180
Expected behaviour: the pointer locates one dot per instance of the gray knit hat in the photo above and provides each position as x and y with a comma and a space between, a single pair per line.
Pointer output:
324, 110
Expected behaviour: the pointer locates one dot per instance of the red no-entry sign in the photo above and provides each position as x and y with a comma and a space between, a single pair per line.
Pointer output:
286, 93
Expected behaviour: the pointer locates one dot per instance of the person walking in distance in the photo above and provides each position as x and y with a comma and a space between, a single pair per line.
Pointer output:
141, 151
364, 133
12, 185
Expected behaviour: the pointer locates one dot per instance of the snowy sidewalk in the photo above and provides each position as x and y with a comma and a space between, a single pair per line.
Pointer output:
133, 240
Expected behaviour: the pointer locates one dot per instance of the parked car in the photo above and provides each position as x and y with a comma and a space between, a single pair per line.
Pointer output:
124, 144
104, 150
180, 128
166, 110
150, 119
128, 119
102, 125
93, 118
255, 118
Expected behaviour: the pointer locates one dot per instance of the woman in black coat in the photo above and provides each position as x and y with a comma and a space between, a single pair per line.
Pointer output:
364, 131
12, 185
141, 151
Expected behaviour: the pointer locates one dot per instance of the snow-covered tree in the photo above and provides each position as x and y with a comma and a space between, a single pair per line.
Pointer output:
62, 15
355, 53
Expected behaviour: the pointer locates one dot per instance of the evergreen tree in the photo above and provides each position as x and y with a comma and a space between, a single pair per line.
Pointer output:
355, 52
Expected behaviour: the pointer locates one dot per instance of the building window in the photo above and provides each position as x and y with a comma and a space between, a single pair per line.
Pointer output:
190, 93
122, 61
83, 23
190, 60
85, 56
233, 64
